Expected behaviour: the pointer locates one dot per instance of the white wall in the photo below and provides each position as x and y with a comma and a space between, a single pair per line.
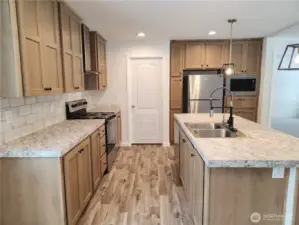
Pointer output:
272, 48
116, 93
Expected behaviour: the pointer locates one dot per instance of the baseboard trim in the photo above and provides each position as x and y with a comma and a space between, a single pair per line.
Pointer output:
166, 144
125, 144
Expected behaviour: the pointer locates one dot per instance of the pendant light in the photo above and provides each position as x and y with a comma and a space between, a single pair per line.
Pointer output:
290, 58
229, 69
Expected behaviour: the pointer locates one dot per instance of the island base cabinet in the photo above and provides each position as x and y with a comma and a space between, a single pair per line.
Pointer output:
234, 194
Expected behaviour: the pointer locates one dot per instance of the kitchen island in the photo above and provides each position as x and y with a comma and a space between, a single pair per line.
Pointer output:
240, 180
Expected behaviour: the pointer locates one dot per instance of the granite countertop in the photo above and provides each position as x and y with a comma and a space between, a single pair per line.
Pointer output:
53, 141
106, 108
261, 148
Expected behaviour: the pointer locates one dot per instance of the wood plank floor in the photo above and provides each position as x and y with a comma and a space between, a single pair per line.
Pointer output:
143, 188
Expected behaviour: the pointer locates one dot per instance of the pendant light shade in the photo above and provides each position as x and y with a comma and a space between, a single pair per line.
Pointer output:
229, 69
290, 58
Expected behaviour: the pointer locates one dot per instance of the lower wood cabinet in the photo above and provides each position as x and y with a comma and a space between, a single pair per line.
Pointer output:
78, 180
244, 106
171, 123
226, 195
118, 130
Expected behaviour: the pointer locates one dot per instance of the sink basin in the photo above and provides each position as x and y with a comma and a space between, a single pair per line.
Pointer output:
212, 130
204, 126
217, 133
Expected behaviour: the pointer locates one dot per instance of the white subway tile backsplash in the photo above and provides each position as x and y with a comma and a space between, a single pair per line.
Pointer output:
30, 114
25, 110
30, 100
16, 101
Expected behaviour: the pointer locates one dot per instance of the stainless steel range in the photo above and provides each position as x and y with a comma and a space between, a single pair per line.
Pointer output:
78, 110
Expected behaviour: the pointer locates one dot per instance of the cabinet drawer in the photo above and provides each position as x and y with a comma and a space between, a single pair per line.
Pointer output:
102, 145
103, 163
249, 114
102, 130
243, 101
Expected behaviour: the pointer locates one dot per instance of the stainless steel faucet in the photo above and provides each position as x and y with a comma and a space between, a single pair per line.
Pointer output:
230, 121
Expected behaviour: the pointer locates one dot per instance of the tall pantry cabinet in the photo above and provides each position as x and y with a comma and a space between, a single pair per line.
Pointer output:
40, 47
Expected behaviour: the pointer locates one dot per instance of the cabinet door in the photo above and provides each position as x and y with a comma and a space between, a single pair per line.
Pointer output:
32, 49
103, 163
85, 177
95, 158
189, 174
253, 57
214, 54
249, 114
52, 47
182, 157
102, 145
175, 92
71, 50
103, 68
194, 57
176, 59
71, 170
171, 123
198, 187
238, 56
94, 52
77, 53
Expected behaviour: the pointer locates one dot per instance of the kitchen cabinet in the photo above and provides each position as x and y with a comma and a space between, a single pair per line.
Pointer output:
78, 180
244, 106
214, 54
204, 55
177, 59
246, 55
98, 156
40, 47
212, 194
118, 130
194, 55
72, 55
98, 58
171, 123
176, 92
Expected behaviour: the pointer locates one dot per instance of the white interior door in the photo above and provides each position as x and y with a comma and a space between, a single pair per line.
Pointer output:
146, 100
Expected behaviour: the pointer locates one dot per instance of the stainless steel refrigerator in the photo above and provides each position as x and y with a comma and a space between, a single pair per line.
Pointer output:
197, 88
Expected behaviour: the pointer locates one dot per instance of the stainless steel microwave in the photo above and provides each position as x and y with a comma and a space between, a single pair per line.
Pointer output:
243, 84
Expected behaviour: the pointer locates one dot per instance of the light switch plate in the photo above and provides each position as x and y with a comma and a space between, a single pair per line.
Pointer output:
8, 116
278, 172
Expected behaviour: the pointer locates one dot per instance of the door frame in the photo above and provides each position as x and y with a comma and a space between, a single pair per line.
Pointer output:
129, 92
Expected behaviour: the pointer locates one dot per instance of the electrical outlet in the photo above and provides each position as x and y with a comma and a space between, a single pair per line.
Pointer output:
8, 116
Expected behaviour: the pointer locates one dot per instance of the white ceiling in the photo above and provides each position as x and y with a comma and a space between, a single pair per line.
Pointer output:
178, 19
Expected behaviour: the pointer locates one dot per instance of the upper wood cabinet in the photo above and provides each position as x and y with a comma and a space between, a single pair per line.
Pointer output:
214, 54
71, 50
194, 55
246, 55
98, 58
78, 180
177, 59
40, 47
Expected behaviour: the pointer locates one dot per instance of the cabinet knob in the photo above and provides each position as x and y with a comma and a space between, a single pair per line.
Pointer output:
192, 155
184, 140
207, 65
77, 88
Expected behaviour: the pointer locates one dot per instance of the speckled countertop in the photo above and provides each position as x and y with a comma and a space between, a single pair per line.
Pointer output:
261, 148
53, 141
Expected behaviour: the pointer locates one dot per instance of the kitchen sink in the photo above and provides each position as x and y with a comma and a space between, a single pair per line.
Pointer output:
204, 126
212, 130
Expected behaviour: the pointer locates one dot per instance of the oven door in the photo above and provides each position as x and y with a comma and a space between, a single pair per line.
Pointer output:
111, 133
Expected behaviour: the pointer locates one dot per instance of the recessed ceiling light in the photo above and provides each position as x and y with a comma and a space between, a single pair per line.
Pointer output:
140, 34
212, 32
